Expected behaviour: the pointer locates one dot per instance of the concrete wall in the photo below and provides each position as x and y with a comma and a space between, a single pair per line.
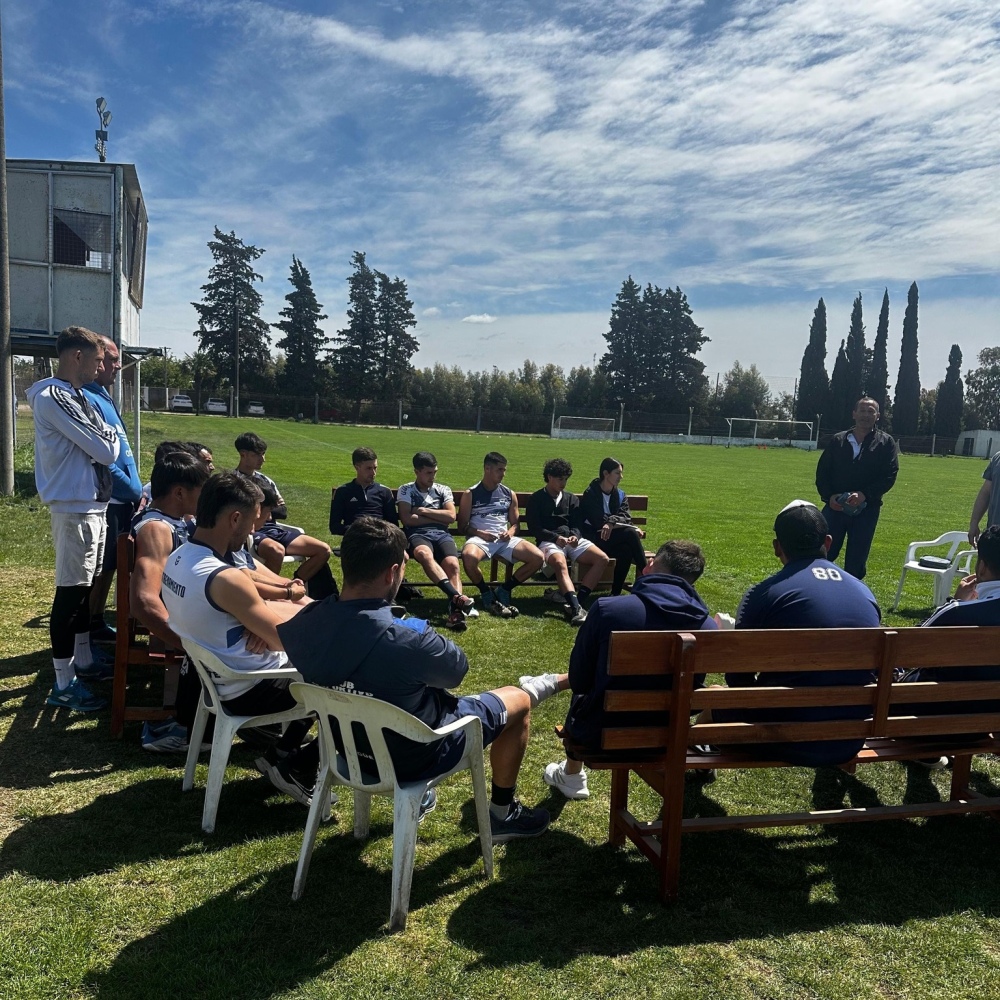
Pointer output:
717, 439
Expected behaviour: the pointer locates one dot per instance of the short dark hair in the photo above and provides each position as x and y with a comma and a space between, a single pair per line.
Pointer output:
369, 548
177, 468
988, 547
78, 338
681, 558
360, 455
248, 441
270, 494
197, 447
165, 448
609, 465
424, 460
225, 490
801, 531
494, 458
557, 467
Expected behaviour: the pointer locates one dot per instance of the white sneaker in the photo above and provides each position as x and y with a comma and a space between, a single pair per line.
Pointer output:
539, 688
573, 786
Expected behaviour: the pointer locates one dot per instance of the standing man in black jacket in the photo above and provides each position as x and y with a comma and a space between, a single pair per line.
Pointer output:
857, 468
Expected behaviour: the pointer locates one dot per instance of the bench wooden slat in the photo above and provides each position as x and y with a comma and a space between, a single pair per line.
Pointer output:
755, 650
783, 697
637, 701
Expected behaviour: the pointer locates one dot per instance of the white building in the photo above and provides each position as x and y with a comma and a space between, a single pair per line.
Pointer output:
981, 443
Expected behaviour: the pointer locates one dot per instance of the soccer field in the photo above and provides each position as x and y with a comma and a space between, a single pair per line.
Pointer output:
109, 889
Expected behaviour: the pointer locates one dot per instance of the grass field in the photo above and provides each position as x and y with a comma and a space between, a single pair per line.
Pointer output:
109, 889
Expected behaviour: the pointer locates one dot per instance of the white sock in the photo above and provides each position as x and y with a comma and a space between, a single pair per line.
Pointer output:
65, 674
82, 656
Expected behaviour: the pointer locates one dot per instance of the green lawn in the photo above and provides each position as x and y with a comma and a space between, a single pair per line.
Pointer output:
109, 889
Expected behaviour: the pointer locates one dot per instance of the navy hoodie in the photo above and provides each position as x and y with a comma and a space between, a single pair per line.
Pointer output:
359, 647
658, 603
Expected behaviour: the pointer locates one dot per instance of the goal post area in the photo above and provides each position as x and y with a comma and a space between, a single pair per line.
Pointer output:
597, 428
767, 431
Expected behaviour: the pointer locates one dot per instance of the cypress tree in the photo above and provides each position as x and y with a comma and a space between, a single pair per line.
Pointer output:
950, 398
878, 382
855, 360
814, 383
906, 404
841, 400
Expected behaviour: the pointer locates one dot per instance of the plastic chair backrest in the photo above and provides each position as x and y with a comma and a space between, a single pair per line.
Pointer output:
357, 714
210, 669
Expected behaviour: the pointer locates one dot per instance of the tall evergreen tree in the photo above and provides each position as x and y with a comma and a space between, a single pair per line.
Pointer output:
841, 394
877, 385
355, 359
230, 306
906, 404
814, 383
303, 339
855, 360
983, 384
676, 377
950, 398
396, 345
623, 361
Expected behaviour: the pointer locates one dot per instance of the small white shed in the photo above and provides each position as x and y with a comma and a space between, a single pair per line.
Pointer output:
981, 444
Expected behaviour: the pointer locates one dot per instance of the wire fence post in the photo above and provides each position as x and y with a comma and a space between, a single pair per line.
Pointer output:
316, 408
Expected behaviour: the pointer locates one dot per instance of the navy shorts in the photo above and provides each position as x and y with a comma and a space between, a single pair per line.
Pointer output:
437, 539
119, 518
277, 533
490, 711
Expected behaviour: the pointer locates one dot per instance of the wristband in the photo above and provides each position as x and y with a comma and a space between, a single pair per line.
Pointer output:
288, 590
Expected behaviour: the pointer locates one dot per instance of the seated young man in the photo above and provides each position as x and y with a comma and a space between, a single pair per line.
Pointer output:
406, 663
273, 541
362, 496
663, 599
488, 514
212, 601
556, 521
426, 509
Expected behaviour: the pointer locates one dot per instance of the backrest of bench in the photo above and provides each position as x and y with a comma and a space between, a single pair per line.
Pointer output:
878, 652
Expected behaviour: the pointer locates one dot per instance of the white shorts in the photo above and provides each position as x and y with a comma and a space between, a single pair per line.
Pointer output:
571, 554
79, 542
502, 548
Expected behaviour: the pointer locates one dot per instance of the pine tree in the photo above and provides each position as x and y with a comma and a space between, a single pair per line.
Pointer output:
675, 377
303, 339
877, 385
814, 383
841, 401
230, 308
855, 360
396, 345
983, 384
906, 404
950, 398
355, 359
622, 364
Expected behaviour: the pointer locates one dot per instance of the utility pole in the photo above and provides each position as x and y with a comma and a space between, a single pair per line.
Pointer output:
235, 411
6, 359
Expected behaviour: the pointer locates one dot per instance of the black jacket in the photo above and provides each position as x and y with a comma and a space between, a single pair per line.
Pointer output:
592, 507
352, 501
873, 472
548, 520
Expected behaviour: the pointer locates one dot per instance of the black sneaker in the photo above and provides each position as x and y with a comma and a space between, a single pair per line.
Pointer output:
520, 822
427, 804
456, 619
285, 780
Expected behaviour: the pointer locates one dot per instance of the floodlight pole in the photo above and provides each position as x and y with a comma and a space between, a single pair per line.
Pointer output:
7, 399
236, 325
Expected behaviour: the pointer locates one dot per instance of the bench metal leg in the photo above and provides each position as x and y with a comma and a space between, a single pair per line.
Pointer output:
619, 801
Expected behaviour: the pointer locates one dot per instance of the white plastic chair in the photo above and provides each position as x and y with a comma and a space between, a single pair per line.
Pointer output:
376, 717
210, 670
944, 575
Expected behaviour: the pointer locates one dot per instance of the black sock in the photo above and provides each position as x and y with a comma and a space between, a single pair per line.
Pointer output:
501, 798
485, 589
583, 593
572, 600
447, 587
511, 584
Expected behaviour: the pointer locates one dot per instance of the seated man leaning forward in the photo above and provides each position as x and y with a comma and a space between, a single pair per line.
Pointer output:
808, 592
488, 514
211, 601
406, 663
426, 509
556, 520
662, 599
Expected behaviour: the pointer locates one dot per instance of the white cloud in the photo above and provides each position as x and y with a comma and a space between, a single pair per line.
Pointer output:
430, 313
479, 318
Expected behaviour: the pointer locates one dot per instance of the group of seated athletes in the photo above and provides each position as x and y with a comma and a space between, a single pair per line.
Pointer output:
199, 583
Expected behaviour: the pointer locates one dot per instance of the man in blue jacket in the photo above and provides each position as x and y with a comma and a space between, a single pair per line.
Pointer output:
126, 488
357, 645
662, 599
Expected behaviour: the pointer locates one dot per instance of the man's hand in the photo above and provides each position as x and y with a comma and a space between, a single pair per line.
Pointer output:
605, 531
966, 590
834, 503
487, 536
255, 644
641, 532
974, 534
296, 589
855, 499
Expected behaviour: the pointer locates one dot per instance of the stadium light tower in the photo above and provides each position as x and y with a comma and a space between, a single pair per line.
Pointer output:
102, 133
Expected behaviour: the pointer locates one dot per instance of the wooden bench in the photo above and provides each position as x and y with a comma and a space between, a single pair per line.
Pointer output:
638, 507
135, 647
661, 754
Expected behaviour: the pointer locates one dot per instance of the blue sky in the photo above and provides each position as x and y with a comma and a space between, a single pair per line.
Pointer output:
515, 161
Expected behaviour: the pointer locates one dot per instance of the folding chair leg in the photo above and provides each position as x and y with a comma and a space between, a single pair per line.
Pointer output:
406, 809
362, 814
196, 738
899, 591
320, 805
222, 745
482, 800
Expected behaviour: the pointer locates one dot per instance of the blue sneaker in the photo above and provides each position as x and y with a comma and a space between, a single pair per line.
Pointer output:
504, 597
168, 736
76, 698
494, 607
103, 632
102, 667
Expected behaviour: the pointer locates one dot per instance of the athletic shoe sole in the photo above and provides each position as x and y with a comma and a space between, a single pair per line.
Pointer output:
284, 784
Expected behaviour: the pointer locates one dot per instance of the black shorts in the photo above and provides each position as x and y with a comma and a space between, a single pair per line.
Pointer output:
119, 519
277, 533
437, 540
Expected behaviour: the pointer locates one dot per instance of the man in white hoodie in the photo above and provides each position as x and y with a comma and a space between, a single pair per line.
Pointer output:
74, 448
